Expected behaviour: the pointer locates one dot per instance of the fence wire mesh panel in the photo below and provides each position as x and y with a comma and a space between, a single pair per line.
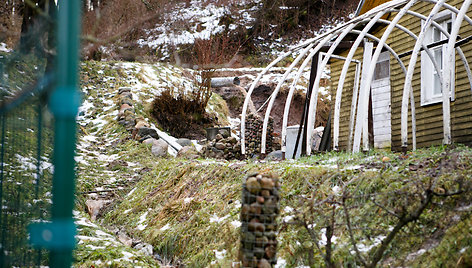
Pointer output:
26, 138
38, 105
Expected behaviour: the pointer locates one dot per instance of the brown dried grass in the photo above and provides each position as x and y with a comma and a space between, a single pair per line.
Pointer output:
181, 113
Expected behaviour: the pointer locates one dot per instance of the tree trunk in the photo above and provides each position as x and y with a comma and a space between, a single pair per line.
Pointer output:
51, 37
94, 4
31, 29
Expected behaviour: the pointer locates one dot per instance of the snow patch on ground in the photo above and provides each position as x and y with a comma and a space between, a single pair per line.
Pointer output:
165, 227
142, 219
217, 219
236, 223
4, 48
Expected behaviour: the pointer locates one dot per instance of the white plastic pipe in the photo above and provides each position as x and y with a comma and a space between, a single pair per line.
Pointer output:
450, 58
320, 68
248, 98
370, 73
314, 93
342, 78
407, 88
292, 86
355, 95
374, 16
273, 96
361, 119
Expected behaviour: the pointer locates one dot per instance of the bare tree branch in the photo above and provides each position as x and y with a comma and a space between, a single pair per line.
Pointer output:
385, 208
349, 228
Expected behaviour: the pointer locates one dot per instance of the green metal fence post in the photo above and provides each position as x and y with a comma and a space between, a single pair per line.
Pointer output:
64, 105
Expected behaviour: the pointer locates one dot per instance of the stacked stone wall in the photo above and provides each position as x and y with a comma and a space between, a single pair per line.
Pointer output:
254, 126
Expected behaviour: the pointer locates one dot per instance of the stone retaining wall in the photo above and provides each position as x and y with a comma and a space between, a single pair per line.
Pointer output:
254, 133
140, 129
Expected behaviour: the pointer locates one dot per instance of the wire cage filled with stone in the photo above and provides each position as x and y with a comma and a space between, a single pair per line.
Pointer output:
259, 211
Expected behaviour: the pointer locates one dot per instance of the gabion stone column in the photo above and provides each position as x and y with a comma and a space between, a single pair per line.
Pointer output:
260, 208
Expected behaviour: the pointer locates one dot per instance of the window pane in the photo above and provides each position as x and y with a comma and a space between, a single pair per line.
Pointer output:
381, 70
449, 26
437, 54
436, 34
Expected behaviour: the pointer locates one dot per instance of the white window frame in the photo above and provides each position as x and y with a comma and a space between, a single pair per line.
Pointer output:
427, 68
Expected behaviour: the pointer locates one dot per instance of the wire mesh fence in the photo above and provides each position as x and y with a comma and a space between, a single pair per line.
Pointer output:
38, 105
26, 138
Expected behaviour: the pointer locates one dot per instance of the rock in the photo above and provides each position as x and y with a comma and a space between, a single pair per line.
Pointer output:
271, 227
253, 225
232, 140
275, 156
125, 239
261, 241
127, 94
265, 193
248, 239
220, 146
267, 183
253, 185
94, 207
188, 152
141, 124
263, 263
270, 235
217, 153
259, 252
125, 106
260, 199
224, 133
270, 251
145, 248
245, 212
184, 142
149, 140
237, 147
159, 148
248, 198
126, 100
270, 206
255, 209
145, 131
316, 138
218, 137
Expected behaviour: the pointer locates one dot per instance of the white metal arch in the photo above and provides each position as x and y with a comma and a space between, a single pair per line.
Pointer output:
401, 7
279, 85
446, 84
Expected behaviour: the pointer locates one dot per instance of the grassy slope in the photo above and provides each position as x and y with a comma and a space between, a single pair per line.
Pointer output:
188, 210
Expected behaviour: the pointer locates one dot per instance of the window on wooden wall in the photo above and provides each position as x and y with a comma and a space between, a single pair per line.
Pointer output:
431, 89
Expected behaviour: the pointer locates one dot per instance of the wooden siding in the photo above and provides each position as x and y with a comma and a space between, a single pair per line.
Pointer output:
428, 118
